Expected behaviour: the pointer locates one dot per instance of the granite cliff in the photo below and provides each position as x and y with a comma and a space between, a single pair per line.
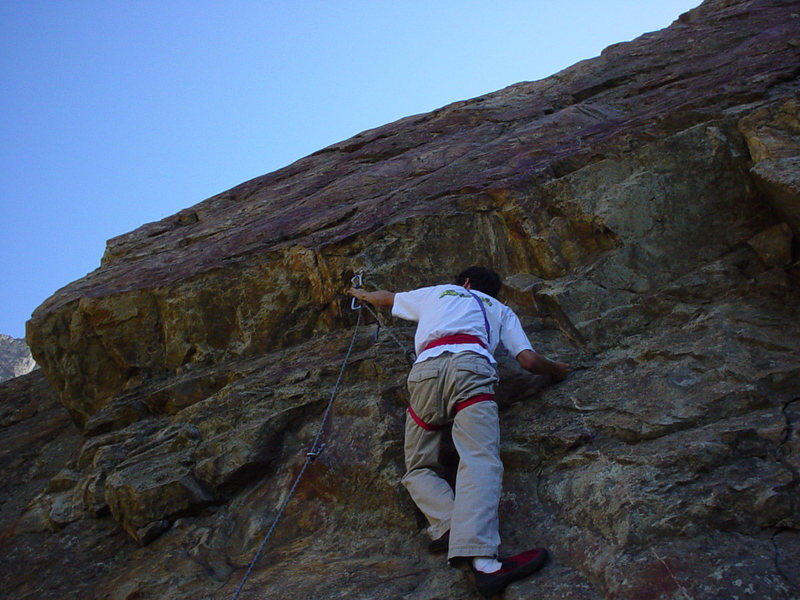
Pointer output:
644, 208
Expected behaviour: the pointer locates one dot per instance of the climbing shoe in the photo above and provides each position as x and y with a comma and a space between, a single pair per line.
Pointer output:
440, 544
514, 568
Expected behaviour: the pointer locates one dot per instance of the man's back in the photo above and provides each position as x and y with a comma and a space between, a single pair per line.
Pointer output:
444, 310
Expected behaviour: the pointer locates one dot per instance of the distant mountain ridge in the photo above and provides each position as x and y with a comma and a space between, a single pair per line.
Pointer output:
15, 358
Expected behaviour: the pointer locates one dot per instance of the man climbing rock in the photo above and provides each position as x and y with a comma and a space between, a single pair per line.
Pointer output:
459, 327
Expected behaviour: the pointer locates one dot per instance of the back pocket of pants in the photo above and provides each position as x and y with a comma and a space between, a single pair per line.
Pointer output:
422, 375
477, 365
423, 388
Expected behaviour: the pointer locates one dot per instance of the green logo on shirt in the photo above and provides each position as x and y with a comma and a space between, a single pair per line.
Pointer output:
464, 295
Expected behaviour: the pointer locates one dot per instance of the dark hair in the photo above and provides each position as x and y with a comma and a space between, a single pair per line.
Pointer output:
481, 279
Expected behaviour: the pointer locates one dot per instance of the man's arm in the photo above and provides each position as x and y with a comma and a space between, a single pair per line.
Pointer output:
377, 298
541, 365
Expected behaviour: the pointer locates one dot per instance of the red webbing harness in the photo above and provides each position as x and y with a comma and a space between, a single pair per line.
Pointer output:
456, 338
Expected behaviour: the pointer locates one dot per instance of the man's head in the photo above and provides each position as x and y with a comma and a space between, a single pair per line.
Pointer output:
481, 279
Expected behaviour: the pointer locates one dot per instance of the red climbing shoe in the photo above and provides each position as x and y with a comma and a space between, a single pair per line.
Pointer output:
514, 568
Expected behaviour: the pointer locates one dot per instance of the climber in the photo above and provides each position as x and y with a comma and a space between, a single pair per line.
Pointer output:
458, 329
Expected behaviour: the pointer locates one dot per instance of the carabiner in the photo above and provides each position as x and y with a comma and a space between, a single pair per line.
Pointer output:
315, 451
356, 282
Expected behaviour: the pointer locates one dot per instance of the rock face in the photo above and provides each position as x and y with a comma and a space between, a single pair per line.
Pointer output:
15, 358
644, 207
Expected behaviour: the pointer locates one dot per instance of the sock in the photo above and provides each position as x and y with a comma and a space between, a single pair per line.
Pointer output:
486, 564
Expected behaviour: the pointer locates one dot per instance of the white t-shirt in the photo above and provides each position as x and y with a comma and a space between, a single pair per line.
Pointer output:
444, 310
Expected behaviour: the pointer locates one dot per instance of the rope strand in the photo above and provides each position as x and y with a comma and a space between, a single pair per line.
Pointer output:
316, 449
409, 354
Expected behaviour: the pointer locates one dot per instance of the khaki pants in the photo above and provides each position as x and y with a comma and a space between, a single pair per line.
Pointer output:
436, 386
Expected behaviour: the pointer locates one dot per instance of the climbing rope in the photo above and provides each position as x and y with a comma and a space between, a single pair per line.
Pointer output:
357, 280
316, 448
409, 354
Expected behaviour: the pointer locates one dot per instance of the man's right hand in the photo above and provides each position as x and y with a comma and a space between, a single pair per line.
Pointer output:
559, 370
377, 298
541, 365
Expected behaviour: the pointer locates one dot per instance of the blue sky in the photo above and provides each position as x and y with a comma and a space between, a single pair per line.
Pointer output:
114, 114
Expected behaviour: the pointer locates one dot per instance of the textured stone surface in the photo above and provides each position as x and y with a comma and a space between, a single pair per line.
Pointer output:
37, 439
15, 358
643, 208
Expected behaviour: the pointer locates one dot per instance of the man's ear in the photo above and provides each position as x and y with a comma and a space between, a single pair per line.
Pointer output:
466, 285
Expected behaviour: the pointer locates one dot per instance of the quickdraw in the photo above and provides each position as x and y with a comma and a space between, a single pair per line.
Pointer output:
357, 280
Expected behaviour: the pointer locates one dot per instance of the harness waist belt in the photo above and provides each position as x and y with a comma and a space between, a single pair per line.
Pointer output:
458, 338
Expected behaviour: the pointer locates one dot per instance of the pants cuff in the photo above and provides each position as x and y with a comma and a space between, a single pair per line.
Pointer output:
471, 550
437, 531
